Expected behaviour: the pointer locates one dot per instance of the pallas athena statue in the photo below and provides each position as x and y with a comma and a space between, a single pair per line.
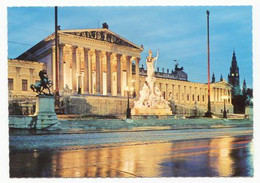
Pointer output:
151, 101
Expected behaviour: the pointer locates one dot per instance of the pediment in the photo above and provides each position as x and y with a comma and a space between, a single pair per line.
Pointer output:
102, 35
222, 83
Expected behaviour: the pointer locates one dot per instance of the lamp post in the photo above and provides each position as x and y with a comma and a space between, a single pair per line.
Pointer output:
225, 111
128, 110
208, 113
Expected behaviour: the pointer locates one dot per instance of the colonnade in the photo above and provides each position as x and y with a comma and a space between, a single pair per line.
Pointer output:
90, 71
187, 93
219, 95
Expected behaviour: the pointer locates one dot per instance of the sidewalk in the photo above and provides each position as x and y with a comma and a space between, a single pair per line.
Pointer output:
105, 125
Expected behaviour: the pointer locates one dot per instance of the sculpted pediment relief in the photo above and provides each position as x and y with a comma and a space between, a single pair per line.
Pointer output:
102, 35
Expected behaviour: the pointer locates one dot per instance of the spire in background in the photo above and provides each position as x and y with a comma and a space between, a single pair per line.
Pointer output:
213, 80
221, 78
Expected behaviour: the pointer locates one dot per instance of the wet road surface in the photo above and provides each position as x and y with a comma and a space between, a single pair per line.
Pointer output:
167, 153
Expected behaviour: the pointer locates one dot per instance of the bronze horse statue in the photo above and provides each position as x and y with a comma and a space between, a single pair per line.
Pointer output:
43, 84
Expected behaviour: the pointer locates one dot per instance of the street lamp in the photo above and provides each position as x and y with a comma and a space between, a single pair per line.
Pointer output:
225, 111
128, 110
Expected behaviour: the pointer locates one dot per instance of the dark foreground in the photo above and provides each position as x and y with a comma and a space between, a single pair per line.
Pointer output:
165, 153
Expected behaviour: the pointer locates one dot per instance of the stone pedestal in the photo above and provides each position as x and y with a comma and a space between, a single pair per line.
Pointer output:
45, 116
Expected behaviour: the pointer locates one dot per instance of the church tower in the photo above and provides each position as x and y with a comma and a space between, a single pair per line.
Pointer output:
244, 91
233, 77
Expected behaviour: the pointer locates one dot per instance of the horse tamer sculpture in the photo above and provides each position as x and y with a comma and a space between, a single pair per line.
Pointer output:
43, 84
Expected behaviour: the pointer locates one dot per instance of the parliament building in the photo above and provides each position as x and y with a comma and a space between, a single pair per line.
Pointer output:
95, 69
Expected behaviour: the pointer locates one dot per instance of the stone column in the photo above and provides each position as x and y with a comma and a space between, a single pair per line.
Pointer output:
90, 56
97, 52
86, 70
74, 68
61, 67
137, 76
119, 80
79, 79
221, 94
128, 71
109, 75
101, 57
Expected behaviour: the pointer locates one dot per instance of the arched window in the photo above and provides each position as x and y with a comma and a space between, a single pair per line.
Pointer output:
198, 98
193, 98
188, 97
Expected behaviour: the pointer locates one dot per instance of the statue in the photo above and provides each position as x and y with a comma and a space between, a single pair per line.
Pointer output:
177, 68
150, 62
151, 101
43, 84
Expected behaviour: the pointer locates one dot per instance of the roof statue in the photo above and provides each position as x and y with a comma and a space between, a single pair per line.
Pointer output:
176, 66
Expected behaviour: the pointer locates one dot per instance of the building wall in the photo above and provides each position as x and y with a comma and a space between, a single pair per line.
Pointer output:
95, 105
19, 70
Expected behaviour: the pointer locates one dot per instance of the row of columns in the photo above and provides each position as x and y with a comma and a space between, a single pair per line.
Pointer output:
177, 91
88, 56
218, 94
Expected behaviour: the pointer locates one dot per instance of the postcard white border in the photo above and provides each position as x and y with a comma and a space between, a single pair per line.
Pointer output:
4, 157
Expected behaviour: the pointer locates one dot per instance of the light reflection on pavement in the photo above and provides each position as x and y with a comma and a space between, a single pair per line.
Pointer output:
222, 155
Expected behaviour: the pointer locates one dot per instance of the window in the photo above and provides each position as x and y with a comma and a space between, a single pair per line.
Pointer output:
227, 111
24, 85
198, 98
10, 83
188, 97
203, 98
221, 111
193, 98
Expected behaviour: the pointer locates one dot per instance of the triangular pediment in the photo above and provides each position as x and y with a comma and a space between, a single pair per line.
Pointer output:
222, 83
101, 35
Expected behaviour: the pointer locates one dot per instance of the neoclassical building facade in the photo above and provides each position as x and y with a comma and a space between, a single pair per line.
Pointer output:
95, 66
91, 61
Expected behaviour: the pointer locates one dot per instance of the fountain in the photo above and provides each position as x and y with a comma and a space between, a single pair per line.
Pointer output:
151, 101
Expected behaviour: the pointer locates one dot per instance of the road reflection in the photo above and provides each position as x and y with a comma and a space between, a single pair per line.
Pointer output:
226, 156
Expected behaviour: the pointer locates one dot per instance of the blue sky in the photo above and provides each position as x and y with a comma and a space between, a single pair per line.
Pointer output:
178, 31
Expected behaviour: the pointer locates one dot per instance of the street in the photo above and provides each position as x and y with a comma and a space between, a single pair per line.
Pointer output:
163, 153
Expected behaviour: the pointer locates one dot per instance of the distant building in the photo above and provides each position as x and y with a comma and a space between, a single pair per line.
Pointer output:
233, 77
